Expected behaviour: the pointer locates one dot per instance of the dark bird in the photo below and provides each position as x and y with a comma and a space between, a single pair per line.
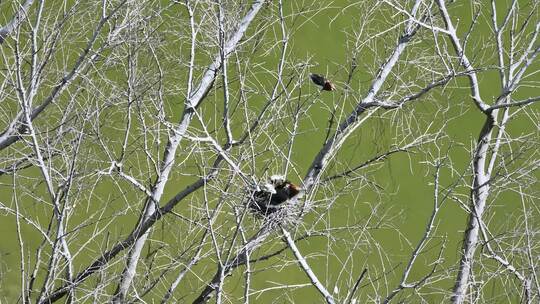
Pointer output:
323, 82
272, 195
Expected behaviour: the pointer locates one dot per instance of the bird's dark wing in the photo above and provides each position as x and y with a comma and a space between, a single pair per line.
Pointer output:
318, 79
279, 197
264, 202
259, 201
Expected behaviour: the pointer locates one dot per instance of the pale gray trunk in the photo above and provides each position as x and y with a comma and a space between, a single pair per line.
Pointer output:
195, 98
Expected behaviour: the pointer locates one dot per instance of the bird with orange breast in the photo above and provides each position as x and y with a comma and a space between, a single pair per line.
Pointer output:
272, 195
323, 82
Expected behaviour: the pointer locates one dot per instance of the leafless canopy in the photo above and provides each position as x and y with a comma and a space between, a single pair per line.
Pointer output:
133, 134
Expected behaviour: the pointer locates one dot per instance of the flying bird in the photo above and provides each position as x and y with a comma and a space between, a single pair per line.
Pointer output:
274, 193
323, 82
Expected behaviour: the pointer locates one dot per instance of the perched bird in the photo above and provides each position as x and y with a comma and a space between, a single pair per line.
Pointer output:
321, 81
274, 193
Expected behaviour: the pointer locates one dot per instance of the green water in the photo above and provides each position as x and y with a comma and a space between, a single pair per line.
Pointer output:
385, 208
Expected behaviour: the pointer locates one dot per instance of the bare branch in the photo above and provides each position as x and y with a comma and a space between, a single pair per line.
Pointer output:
307, 269
19, 17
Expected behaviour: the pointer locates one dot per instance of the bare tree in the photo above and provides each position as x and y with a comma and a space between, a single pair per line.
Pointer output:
136, 136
